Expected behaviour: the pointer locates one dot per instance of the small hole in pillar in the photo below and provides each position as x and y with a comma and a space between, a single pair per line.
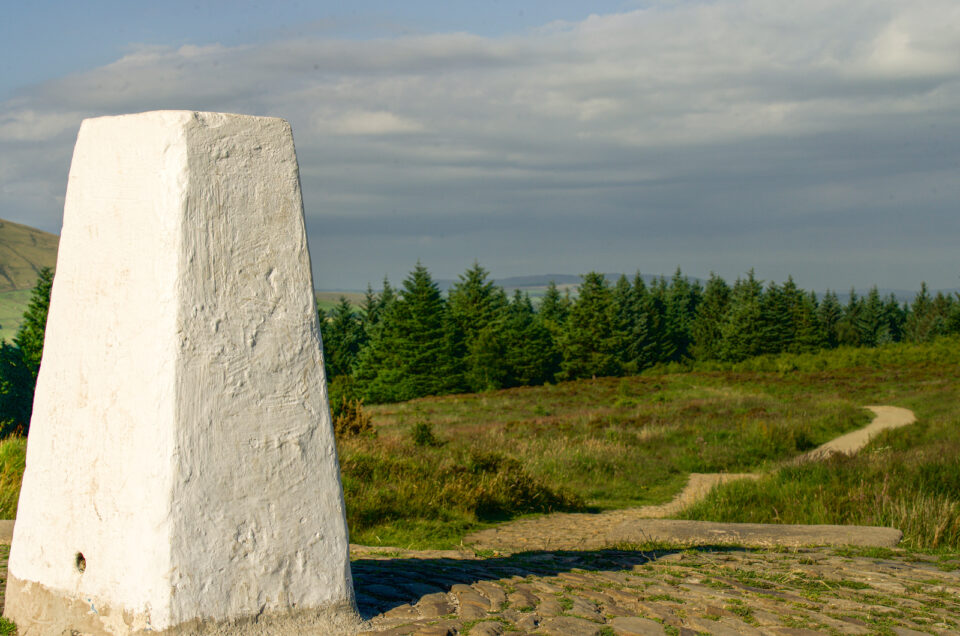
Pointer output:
80, 562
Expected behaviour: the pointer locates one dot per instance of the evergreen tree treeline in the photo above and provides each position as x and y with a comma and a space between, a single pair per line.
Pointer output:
20, 361
413, 342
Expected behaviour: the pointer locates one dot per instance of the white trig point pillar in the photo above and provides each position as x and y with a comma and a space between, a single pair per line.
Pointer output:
181, 472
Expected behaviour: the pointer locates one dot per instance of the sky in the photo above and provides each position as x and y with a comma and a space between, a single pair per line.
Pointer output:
818, 139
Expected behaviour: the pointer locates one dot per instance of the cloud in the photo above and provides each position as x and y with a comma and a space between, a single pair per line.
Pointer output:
682, 132
369, 123
28, 125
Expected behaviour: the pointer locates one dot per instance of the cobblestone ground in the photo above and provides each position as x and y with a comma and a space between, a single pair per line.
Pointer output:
702, 591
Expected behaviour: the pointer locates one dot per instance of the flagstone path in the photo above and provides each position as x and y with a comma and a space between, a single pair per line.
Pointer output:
705, 591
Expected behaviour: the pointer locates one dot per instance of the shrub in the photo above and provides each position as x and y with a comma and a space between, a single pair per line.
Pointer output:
351, 420
422, 434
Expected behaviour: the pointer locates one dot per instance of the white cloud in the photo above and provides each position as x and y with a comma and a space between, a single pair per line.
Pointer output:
370, 123
31, 125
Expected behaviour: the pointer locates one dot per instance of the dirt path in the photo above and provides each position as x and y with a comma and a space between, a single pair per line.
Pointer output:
571, 531
887, 417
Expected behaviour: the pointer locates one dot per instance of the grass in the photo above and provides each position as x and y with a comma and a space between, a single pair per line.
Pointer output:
907, 478
12, 306
415, 495
13, 452
328, 300
618, 442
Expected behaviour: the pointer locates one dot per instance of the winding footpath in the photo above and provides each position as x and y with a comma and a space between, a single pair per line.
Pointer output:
578, 531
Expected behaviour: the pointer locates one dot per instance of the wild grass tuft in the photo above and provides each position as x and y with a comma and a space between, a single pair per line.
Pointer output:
351, 420
401, 493
13, 451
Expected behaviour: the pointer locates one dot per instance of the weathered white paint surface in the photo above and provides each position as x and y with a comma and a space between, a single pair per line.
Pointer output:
181, 439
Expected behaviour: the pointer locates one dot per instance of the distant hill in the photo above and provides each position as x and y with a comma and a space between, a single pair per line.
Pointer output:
24, 251
536, 285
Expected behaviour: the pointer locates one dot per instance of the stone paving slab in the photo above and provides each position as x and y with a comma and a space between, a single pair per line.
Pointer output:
6, 531
580, 531
718, 590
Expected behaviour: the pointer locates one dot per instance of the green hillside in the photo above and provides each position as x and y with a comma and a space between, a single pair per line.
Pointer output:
24, 251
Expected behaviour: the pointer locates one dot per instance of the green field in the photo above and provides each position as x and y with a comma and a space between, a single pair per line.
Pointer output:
12, 306
328, 300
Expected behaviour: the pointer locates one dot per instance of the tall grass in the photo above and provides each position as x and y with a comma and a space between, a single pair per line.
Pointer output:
941, 351
13, 451
907, 479
618, 442
407, 493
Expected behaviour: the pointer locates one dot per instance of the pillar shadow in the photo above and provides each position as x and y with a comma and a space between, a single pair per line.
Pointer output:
383, 584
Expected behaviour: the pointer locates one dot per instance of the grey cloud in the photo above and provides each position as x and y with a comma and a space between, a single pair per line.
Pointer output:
718, 135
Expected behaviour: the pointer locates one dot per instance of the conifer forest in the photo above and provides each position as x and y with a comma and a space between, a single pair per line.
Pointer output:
415, 341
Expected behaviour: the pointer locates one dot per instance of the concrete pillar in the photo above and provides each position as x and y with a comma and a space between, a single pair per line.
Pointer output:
181, 472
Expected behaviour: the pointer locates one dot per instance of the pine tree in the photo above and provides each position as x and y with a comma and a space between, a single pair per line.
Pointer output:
590, 341
474, 301
368, 306
20, 364
645, 342
662, 346
343, 336
941, 309
847, 332
829, 315
17, 384
553, 309
872, 329
415, 351
920, 324
710, 316
531, 354
628, 316
375, 305
953, 320
777, 320
743, 327
807, 330
681, 303
894, 315
29, 338
478, 309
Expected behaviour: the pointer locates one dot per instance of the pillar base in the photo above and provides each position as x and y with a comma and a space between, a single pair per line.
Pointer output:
39, 611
